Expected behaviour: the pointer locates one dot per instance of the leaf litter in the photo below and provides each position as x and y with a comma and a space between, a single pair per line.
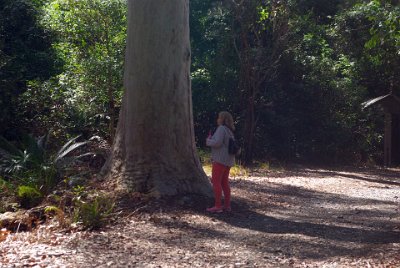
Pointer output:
293, 218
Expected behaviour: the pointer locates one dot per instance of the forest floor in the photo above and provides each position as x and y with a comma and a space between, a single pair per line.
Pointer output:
297, 217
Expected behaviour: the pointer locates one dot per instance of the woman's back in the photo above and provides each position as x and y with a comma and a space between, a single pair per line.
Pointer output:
219, 144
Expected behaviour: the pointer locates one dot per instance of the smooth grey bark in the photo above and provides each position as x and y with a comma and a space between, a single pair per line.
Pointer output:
154, 150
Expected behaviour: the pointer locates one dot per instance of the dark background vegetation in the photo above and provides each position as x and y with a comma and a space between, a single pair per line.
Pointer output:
293, 73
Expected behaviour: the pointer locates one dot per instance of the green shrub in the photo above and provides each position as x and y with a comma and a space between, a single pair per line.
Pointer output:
205, 156
5, 186
31, 163
58, 212
93, 213
29, 196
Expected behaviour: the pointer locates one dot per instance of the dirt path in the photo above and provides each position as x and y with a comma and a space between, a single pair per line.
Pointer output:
298, 218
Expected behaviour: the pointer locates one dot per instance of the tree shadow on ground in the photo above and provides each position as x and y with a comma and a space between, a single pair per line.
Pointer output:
309, 224
277, 219
300, 204
267, 224
374, 175
377, 177
289, 238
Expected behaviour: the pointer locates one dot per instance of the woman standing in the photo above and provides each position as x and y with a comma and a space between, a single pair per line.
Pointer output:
222, 161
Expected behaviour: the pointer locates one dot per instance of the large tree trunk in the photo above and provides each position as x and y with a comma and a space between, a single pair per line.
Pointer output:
154, 150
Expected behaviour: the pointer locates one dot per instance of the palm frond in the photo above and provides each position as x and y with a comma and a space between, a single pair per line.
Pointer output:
66, 145
69, 149
34, 149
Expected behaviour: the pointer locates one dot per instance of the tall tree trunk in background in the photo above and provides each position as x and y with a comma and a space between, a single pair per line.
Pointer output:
110, 87
247, 80
111, 113
154, 150
248, 100
259, 52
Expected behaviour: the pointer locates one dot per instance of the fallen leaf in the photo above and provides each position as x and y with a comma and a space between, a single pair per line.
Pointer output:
3, 234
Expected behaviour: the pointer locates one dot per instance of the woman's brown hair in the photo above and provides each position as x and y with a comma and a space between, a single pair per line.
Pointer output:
227, 120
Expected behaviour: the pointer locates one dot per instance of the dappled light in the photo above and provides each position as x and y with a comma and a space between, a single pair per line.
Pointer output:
300, 216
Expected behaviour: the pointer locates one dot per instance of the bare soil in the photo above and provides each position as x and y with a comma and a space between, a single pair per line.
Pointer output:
298, 217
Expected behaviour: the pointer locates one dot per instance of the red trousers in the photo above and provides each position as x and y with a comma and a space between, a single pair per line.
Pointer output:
220, 182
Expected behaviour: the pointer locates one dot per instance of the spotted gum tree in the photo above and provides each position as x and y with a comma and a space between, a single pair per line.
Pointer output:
154, 150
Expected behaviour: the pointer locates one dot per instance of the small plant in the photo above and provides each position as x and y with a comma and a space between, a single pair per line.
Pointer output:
5, 186
238, 171
204, 156
6, 190
93, 213
28, 196
79, 192
264, 165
